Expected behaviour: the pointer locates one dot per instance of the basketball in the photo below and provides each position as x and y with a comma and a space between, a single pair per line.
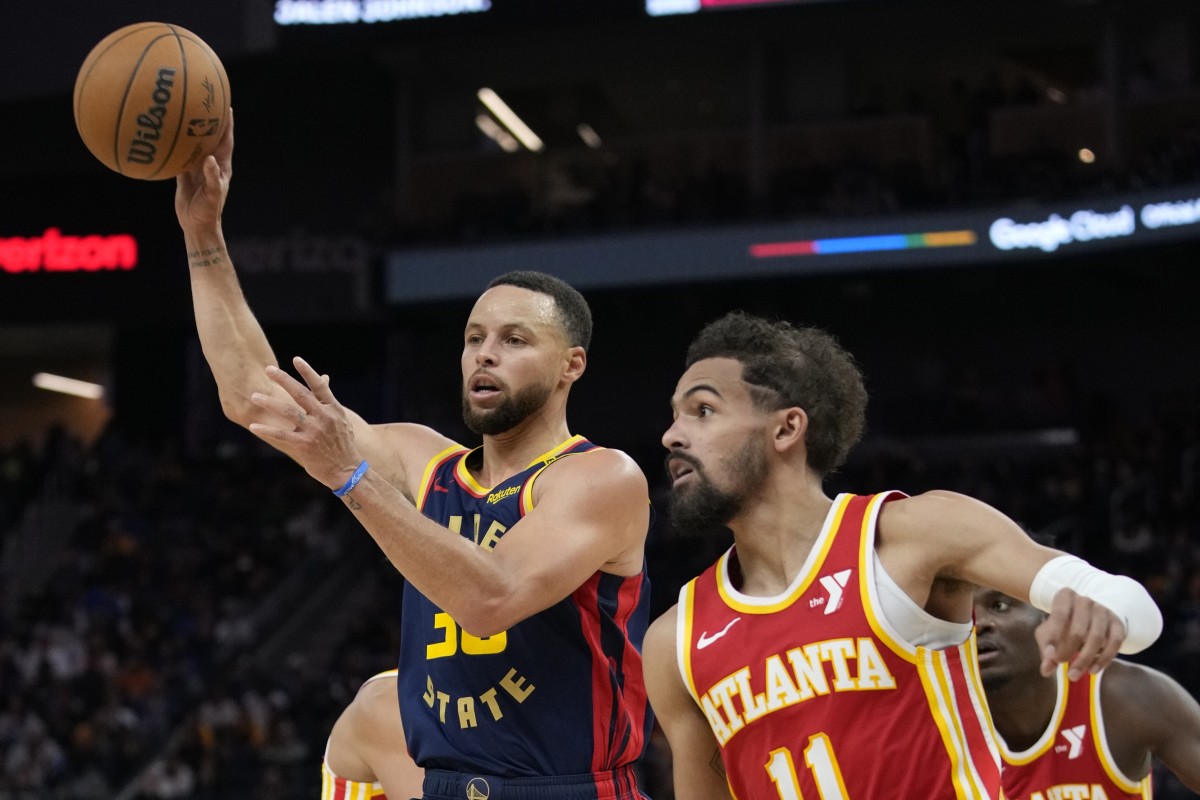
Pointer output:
151, 100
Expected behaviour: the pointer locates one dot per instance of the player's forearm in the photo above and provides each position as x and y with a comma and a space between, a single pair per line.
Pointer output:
233, 342
1120, 594
457, 575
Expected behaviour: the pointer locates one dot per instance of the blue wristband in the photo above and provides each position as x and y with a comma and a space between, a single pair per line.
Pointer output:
354, 479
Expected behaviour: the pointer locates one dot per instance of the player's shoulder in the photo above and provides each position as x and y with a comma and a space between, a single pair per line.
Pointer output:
598, 467
377, 701
411, 435
1126, 683
660, 636
919, 512
929, 502
1142, 700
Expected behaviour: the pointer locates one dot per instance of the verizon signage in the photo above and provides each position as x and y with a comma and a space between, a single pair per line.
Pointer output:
54, 251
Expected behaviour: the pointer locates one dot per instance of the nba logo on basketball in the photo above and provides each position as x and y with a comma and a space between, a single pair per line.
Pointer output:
202, 127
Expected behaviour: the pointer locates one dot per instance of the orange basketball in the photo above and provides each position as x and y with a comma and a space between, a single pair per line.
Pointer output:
151, 100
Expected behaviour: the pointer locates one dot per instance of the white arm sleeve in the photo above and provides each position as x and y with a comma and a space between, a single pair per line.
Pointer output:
1121, 595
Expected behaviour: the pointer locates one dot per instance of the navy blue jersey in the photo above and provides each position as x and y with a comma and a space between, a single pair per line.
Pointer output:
559, 693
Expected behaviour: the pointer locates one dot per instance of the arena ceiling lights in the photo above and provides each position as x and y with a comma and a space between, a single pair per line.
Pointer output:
58, 383
509, 119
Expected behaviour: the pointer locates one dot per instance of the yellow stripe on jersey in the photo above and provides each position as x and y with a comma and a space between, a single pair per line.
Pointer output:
460, 469
800, 586
935, 679
1100, 739
463, 474
974, 685
683, 636
427, 476
549, 458
1041, 746
554, 452
866, 585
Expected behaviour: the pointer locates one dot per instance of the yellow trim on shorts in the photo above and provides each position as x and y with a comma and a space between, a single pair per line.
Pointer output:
355, 790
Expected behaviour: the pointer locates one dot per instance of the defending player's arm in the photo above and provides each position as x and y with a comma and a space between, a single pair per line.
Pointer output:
1092, 614
590, 514
696, 761
234, 343
367, 743
1147, 713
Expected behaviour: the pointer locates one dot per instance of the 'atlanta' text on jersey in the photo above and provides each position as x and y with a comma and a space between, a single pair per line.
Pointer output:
854, 665
812, 694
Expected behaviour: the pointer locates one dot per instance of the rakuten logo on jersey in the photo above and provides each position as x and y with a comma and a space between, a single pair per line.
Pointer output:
1048, 235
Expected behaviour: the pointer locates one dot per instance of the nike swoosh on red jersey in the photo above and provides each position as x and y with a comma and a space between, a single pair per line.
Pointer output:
705, 640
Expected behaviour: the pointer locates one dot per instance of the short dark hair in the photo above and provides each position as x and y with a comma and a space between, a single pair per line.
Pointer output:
573, 310
789, 366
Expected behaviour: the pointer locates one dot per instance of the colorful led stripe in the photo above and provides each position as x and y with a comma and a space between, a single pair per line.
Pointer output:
721, 3
864, 244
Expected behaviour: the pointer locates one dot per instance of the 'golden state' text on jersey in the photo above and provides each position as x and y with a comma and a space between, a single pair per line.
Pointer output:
560, 693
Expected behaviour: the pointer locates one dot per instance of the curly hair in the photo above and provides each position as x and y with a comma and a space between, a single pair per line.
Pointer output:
789, 366
574, 314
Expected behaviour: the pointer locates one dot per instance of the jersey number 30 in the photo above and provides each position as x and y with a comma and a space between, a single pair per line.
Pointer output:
820, 759
471, 645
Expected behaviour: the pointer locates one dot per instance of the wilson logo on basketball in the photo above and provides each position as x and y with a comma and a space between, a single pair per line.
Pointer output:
143, 149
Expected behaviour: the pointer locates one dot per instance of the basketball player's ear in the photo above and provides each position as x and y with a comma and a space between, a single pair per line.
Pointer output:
576, 363
790, 429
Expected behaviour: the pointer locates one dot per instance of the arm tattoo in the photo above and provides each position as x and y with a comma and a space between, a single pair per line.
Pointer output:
352, 504
209, 257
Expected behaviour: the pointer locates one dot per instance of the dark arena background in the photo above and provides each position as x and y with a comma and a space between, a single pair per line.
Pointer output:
995, 206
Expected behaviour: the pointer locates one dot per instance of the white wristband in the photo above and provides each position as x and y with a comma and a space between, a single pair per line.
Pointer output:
1121, 595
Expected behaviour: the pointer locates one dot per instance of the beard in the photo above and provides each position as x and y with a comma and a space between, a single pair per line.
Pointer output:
700, 506
511, 412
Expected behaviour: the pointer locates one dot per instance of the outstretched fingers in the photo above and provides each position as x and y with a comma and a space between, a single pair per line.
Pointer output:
303, 395
317, 383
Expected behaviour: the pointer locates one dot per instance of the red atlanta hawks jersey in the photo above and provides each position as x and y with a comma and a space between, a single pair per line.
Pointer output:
1071, 760
812, 694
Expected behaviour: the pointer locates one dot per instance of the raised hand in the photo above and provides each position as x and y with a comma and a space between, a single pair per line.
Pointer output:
321, 438
201, 191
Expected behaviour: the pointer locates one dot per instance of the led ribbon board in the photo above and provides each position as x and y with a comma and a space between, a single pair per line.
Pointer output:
345, 12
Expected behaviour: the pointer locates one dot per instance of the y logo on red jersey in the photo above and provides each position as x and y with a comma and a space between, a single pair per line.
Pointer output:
833, 585
1074, 737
